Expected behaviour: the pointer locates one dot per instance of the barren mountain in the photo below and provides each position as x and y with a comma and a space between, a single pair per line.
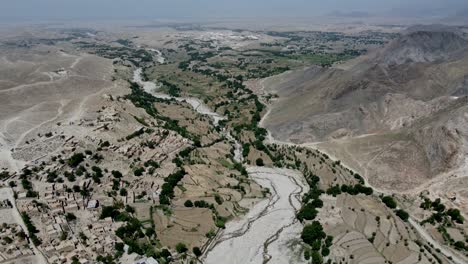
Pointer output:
397, 115
422, 44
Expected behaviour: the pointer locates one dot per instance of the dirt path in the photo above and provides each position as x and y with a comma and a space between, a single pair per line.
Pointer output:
54, 118
266, 232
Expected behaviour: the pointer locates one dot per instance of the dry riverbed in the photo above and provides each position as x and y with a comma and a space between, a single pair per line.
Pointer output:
269, 233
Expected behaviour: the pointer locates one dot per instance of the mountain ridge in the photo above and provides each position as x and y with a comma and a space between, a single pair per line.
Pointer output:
407, 105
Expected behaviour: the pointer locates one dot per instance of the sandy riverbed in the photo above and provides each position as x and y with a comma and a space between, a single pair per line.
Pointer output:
269, 231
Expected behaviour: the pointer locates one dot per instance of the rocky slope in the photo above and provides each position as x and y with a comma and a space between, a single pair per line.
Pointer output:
399, 111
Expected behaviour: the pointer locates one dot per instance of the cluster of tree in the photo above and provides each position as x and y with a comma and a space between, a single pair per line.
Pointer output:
142, 99
141, 55
173, 125
80, 171
309, 211
311, 200
245, 150
263, 72
76, 159
167, 189
350, 189
151, 163
199, 204
97, 174
27, 185
70, 175
53, 177
132, 235
196, 56
313, 233
174, 90
112, 211
108, 259
435, 205
441, 213
32, 230
314, 236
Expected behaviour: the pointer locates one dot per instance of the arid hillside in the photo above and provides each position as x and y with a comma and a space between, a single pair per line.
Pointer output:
398, 115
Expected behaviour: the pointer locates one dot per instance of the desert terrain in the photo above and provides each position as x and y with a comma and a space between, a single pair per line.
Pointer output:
189, 143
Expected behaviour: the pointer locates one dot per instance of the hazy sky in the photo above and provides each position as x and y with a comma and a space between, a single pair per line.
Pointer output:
154, 9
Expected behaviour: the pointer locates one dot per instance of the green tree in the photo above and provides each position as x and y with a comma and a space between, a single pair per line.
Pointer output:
119, 246
138, 171
259, 162
316, 257
307, 212
117, 174
181, 248
402, 214
459, 245
312, 232
389, 202
197, 251
455, 215
325, 251
76, 159
188, 203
